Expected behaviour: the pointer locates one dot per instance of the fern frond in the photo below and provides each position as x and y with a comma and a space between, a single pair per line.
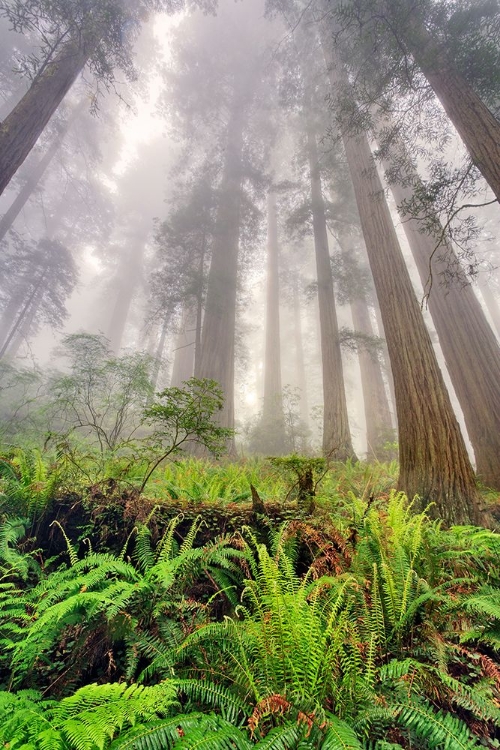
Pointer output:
166, 547
210, 694
340, 736
143, 550
189, 729
72, 553
12, 561
436, 728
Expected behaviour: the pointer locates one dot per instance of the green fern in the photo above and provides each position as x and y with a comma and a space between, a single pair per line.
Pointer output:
436, 729
87, 720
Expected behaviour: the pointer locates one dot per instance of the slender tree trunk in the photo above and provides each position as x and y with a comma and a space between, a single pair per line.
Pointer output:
11, 310
336, 434
25, 330
199, 306
477, 126
434, 464
299, 353
376, 404
159, 351
34, 177
219, 324
469, 346
129, 277
273, 402
22, 314
23, 126
386, 360
183, 366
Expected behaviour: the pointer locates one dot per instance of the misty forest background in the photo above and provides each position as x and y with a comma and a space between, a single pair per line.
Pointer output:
249, 374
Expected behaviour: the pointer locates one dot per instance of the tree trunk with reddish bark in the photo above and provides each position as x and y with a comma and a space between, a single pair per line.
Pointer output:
336, 433
469, 346
23, 126
434, 464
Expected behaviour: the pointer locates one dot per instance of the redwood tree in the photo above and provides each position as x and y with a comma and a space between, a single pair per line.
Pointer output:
336, 434
434, 464
469, 346
73, 35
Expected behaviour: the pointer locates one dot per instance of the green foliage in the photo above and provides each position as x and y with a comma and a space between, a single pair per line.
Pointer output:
308, 472
87, 720
27, 484
193, 481
294, 642
102, 396
364, 625
125, 604
186, 415
15, 564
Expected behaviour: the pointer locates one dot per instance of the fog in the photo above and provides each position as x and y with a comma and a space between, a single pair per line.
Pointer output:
193, 196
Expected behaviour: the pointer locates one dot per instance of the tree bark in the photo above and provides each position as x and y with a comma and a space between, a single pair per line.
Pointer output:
434, 465
34, 177
336, 434
11, 310
199, 306
433, 458
469, 346
183, 366
273, 402
23, 126
299, 353
475, 123
129, 277
25, 329
22, 314
386, 361
377, 414
219, 324
159, 351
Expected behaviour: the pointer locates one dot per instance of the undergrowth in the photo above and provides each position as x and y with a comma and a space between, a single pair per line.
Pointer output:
363, 625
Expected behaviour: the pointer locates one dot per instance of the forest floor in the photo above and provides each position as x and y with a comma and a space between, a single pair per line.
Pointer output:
207, 614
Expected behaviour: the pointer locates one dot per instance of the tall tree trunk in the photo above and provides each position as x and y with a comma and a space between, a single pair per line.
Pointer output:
23, 313
12, 309
184, 354
8, 104
478, 128
469, 346
24, 330
434, 464
23, 126
199, 306
129, 277
273, 402
299, 353
336, 434
376, 404
433, 458
386, 360
159, 350
34, 177
219, 323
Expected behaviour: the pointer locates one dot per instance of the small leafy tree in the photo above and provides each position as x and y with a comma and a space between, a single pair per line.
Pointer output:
186, 415
101, 397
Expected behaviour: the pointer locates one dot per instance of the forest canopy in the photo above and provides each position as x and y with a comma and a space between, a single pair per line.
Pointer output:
249, 374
